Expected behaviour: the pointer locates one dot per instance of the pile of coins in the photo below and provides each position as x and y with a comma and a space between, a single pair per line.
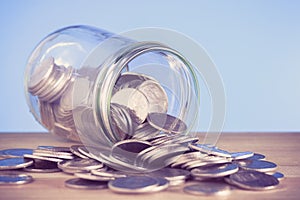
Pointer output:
199, 170
138, 105
151, 151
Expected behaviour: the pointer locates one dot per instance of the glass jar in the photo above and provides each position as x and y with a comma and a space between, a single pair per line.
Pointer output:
87, 84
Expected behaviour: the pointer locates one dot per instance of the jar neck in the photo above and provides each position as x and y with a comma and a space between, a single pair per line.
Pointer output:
111, 70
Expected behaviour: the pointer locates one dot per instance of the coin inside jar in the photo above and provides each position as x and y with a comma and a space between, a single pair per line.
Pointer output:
166, 123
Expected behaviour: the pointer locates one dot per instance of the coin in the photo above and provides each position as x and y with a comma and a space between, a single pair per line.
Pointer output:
109, 173
253, 180
133, 184
123, 121
134, 100
18, 152
156, 96
40, 74
47, 115
53, 154
145, 131
258, 165
14, 163
42, 166
277, 175
14, 179
207, 188
92, 177
166, 123
210, 150
171, 174
202, 162
162, 184
34, 157
79, 165
213, 171
242, 155
84, 151
156, 157
75, 150
130, 80
128, 150
186, 157
79, 183
54, 148
257, 156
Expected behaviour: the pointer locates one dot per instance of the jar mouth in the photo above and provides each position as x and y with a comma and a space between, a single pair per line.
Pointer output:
183, 79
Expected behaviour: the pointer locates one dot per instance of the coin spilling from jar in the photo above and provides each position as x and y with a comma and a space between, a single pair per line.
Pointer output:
138, 106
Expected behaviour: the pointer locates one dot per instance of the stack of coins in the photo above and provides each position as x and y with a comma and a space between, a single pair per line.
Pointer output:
199, 170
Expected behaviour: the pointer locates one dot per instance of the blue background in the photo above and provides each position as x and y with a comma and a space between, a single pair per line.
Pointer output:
255, 45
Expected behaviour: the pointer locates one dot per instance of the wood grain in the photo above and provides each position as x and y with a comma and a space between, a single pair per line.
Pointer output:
281, 148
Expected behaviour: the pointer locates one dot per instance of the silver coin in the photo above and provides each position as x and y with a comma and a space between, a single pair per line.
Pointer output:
61, 85
205, 162
210, 150
11, 178
133, 184
42, 166
156, 96
171, 174
156, 136
52, 154
34, 157
162, 184
277, 175
161, 140
75, 150
145, 131
257, 156
134, 100
214, 171
116, 164
15, 163
186, 157
258, 165
254, 180
79, 183
79, 165
123, 121
109, 173
18, 152
207, 188
184, 139
40, 74
175, 139
166, 123
241, 155
205, 158
54, 148
84, 151
92, 177
130, 80
47, 115
156, 157
128, 150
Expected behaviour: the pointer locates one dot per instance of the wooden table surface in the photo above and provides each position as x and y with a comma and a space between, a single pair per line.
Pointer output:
281, 148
